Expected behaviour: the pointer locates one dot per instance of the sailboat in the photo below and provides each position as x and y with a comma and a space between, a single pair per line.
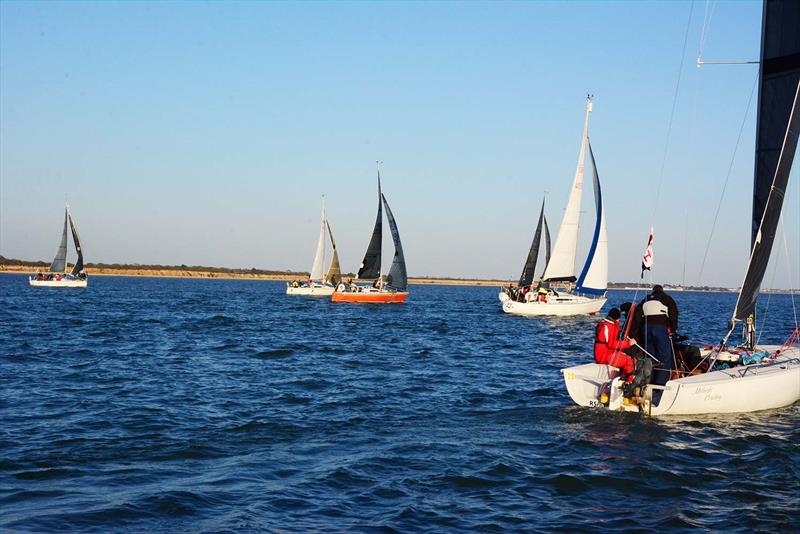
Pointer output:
385, 289
319, 284
529, 269
564, 293
747, 378
58, 275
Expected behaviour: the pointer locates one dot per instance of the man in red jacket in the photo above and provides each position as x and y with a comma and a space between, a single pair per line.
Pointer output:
607, 345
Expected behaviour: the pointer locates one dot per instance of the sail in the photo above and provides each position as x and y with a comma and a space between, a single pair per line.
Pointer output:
562, 263
765, 234
319, 257
334, 275
398, 278
546, 242
526, 278
594, 276
78, 267
371, 265
779, 74
59, 264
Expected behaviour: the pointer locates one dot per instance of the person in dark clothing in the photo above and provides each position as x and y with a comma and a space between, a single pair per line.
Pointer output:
657, 320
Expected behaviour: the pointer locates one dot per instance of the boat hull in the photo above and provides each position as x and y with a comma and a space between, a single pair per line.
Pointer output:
311, 291
374, 297
562, 305
746, 388
64, 282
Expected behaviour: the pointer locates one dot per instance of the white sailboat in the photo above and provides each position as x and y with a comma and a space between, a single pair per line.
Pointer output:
319, 284
566, 294
746, 378
59, 275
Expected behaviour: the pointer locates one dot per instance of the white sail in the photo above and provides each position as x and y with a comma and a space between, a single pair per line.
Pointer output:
593, 279
317, 273
562, 260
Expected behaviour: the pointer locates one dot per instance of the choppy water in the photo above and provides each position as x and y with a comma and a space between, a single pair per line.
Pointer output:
209, 405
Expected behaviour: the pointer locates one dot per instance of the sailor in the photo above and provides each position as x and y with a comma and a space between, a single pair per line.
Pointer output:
607, 345
657, 316
542, 292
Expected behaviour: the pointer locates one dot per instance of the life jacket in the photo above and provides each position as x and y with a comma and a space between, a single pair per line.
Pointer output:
606, 341
654, 307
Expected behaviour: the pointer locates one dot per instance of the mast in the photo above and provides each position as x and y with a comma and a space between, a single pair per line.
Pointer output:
562, 262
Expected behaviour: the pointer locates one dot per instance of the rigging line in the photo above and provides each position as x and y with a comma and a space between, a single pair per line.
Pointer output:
691, 174
672, 113
727, 179
769, 298
710, 6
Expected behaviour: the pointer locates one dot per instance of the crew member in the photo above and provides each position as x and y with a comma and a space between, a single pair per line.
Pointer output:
607, 345
658, 316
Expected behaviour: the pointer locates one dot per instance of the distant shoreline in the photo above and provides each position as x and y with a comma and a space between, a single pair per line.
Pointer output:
230, 275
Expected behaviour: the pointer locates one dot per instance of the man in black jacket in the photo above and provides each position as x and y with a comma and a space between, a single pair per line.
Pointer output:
656, 318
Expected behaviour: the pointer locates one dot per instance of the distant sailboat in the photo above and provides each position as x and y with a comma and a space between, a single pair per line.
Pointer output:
747, 378
564, 293
529, 269
391, 288
319, 284
58, 276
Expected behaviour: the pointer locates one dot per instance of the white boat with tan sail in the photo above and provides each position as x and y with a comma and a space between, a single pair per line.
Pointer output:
319, 284
749, 377
560, 292
59, 274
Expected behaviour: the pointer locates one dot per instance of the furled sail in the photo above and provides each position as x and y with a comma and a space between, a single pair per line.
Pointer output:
371, 265
779, 74
398, 278
562, 263
593, 280
528, 271
59, 264
78, 267
319, 257
334, 275
768, 225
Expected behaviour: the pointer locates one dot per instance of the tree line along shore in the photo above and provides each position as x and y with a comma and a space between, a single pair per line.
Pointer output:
14, 266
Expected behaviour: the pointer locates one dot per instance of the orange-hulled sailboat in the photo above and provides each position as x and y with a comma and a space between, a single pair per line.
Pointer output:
385, 289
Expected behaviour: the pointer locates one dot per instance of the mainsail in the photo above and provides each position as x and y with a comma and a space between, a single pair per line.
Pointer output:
59, 264
371, 265
334, 275
78, 267
398, 278
562, 263
528, 271
778, 77
594, 276
765, 234
319, 257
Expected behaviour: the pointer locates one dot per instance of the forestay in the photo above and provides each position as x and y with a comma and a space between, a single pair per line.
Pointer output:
59, 264
529, 270
371, 265
319, 257
562, 263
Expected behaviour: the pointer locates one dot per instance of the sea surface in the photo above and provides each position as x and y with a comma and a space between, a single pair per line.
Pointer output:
164, 405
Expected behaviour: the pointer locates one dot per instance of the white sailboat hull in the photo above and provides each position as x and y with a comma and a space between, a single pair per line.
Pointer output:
503, 296
562, 305
314, 290
746, 388
64, 282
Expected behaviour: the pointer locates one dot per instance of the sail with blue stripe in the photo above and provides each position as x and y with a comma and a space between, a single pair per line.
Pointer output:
593, 280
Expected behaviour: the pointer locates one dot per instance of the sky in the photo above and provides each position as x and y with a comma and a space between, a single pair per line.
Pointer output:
205, 133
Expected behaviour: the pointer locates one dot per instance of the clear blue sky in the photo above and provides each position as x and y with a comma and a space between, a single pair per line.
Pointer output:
205, 133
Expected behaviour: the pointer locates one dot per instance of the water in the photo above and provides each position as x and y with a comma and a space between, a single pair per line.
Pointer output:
211, 405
